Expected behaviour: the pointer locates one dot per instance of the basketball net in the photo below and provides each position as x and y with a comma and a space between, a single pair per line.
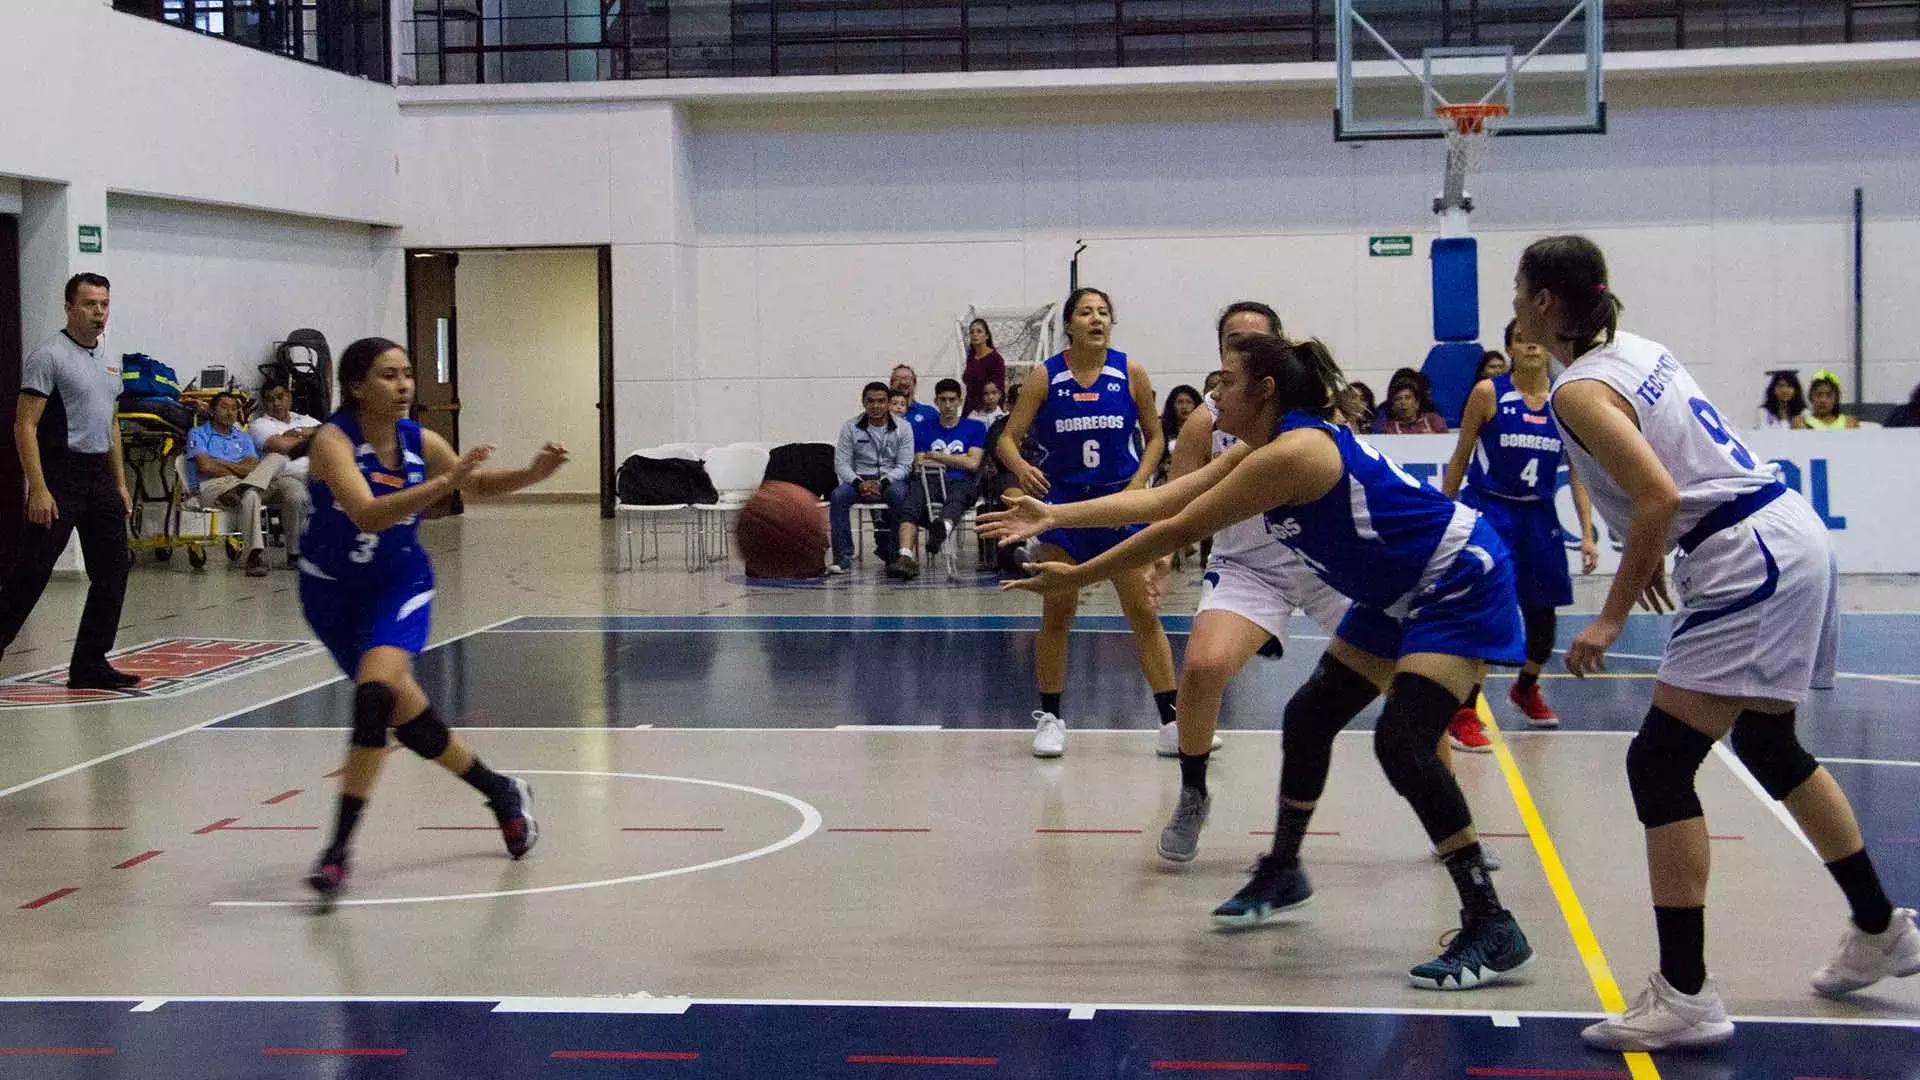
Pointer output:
1468, 130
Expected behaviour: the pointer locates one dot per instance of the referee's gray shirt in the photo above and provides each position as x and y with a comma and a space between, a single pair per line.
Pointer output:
88, 382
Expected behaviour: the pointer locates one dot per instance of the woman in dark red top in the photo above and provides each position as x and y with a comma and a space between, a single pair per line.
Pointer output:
984, 365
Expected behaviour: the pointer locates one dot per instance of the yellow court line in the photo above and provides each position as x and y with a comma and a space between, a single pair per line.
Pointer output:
1639, 1065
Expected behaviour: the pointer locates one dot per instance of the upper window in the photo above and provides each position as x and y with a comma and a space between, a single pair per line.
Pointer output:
344, 35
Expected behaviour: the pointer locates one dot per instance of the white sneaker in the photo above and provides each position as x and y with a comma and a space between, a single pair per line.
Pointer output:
1663, 1017
1865, 959
1049, 735
1169, 744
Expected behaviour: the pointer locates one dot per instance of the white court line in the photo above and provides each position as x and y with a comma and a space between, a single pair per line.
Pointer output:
205, 724
1778, 809
1866, 761
1506, 1020
810, 821
890, 727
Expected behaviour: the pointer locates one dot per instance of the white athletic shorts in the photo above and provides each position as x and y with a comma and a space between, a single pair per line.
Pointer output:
1759, 607
1266, 591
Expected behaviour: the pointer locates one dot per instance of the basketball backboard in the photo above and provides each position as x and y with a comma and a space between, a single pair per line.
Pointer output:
1396, 60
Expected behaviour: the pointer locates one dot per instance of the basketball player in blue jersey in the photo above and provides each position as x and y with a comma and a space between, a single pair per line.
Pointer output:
1510, 454
1756, 580
1082, 407
1433, 604
366, 585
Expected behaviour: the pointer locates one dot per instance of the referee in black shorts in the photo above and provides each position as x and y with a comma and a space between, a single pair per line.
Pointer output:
69, 447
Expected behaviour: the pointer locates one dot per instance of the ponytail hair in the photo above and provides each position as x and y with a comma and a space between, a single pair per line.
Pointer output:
1575, 272
1304, 374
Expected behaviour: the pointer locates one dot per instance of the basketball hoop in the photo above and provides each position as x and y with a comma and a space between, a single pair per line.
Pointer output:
1467, 129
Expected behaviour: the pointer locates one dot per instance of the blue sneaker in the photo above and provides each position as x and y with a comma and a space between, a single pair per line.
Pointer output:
1480, 953
1274, 888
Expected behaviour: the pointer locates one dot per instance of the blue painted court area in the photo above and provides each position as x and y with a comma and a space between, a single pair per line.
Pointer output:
479, 1040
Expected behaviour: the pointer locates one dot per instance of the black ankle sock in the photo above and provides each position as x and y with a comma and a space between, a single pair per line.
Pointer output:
1164, 702
1193, 771
1872, 911
1525, 682
1475, 885
497, 788
1473, 698
1289, 828
1050, 703
345, 819
1683, 946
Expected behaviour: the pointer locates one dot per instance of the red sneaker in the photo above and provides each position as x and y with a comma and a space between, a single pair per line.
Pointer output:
1467, 733
1539, 713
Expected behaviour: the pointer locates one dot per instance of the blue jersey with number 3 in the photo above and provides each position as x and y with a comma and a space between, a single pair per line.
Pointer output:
1087, 431
333, 546
1518, 453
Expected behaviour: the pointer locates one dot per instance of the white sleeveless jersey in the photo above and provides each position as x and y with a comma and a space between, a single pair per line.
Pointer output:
1706, 460
1244, 542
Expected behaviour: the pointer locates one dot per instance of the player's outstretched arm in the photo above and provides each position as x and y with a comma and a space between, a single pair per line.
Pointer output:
1027, 518
493, 483
333, 465
1478, 411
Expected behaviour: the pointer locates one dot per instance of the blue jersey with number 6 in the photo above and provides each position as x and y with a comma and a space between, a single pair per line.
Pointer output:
333, 547
1518, 453
1087, 431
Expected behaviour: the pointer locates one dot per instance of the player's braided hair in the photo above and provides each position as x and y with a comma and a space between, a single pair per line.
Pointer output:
1573, 269
1304, 374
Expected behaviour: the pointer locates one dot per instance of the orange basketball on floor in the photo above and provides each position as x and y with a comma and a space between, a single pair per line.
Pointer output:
782, 532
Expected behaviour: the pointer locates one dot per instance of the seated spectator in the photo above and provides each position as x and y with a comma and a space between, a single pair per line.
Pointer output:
954, 449
223, 469
897, 403
1784, 401
985, 367
1410, 409
990, 410
1492, 362
1823, 405
907, 382
997, 481
1907, 415
871, 461
1211, 383
1180, 403
280, 430
1362, 407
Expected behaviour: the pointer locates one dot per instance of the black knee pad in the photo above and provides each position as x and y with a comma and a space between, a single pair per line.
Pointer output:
1661, 761
1771, 751
1327, 702
372, 705
1540, 623
1407, 742
424, 735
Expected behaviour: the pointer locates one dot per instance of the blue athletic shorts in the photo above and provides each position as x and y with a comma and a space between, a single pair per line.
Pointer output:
352, 617
1532, 533
1471, 611
1084, 544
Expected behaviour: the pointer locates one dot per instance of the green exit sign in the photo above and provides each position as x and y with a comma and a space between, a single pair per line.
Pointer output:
90, 243
1389, 246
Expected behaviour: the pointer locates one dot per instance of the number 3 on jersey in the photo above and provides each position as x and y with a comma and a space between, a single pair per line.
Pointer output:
1090, 453
364, 552
1709, 418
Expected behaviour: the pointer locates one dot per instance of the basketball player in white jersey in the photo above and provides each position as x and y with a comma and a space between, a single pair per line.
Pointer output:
1250, 588
1755, 577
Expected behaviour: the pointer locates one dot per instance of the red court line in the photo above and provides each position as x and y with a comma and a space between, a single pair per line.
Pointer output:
881, 830
76, 828
1269, 832
1567, 1073
673, 828
1233, 1066
282, 797
270, 828
333, 1051
215, 827
1503, 835
47, 899
55, 1051
136, 860
1710, 836
624, 1055
1088, 832
458, 828
908, 1059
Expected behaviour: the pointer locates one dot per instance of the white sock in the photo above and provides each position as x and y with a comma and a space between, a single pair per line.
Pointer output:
908, 552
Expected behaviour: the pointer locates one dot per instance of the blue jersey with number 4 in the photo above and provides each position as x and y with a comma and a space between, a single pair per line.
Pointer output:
1378, 536
1518, 453
333, 546
1087, 431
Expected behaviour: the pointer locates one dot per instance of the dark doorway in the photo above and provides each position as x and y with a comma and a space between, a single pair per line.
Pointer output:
13, 491
433, 341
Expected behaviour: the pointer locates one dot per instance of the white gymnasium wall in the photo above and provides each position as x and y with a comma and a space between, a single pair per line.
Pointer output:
195, 285
530, 357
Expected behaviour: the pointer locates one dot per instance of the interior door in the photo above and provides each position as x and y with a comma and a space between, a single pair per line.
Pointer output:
433, 340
